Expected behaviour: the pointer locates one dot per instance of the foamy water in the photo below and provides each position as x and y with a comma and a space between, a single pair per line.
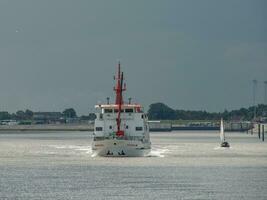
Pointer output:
157, 151
84, 149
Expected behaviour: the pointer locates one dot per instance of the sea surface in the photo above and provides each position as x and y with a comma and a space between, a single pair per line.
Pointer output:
182, 165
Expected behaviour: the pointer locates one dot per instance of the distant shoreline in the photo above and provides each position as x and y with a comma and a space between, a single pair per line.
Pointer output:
48, 127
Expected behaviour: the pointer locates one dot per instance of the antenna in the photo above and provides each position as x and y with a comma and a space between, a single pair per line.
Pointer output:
265, 92
130, 99
255, 83
119, 98
107, 100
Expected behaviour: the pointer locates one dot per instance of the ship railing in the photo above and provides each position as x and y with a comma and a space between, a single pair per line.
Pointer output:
112, 136
131, 138
99, 138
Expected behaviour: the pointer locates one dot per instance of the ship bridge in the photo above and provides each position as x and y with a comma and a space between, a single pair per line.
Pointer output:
114, 108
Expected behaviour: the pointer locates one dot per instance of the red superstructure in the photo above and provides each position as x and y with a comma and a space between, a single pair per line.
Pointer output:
119, 88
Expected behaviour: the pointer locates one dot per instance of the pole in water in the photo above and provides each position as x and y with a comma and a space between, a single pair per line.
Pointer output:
265, 92
262, 129
255, 82
259, 130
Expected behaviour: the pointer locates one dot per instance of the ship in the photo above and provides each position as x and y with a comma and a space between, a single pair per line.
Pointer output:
120, 129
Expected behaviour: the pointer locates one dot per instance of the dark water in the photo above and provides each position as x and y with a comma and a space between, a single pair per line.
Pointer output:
182, 165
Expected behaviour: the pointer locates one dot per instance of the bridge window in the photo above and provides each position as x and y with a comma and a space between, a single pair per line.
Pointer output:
117, 110
129, 110
108, 110
139, 128
99, 128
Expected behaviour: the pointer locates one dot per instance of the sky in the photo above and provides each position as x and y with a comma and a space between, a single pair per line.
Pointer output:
188, 54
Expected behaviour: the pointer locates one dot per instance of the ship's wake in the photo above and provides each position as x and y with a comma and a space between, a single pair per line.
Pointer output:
74, 149
87, 150
158, 152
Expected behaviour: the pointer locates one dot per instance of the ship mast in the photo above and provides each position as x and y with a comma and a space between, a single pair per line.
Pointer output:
119, 99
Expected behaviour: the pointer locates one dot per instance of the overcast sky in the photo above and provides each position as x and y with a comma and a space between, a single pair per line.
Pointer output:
56, 54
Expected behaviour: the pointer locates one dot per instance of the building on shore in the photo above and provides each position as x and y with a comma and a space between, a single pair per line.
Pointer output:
48, 117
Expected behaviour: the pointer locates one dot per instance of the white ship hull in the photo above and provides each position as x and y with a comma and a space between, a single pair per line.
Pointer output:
120, 148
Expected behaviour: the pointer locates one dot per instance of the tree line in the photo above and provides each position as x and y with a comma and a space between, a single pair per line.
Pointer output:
157, 111
160, 111
28, 115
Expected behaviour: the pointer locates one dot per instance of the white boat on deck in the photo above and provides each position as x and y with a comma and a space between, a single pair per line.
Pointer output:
121, 129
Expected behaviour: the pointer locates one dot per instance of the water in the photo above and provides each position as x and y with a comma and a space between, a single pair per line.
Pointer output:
182, 165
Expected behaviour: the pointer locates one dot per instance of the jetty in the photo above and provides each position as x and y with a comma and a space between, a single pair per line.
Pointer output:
162, 126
